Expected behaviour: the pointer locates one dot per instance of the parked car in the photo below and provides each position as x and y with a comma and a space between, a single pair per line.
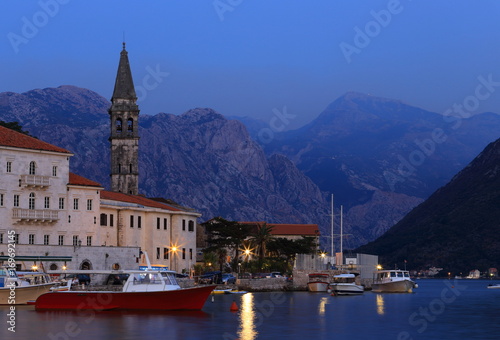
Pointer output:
211, 278
274, 274
228, 279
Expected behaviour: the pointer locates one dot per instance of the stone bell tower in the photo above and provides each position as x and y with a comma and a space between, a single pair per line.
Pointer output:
124, 138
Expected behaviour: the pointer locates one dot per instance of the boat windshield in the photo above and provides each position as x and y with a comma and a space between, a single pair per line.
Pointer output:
8, 272
393, 274
169, 278
407, 274
146, 278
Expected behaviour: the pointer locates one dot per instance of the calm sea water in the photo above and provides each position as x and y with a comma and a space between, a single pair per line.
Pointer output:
439, 309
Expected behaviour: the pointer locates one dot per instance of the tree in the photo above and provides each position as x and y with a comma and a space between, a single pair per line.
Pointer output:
288, 249
224, 234
261, 237
13, 126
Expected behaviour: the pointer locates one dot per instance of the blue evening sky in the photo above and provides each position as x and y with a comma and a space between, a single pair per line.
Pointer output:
250, 57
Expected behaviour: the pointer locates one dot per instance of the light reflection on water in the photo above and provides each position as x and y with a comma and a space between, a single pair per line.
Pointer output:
380, 304
322, 303
247, 329
470, 311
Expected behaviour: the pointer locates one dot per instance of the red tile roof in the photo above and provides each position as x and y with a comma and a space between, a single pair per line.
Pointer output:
16, 139
75, 179
290, 229
118, 196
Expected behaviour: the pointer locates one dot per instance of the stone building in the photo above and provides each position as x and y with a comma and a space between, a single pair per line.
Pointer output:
56, 217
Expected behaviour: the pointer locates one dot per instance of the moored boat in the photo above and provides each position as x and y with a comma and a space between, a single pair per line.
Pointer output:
318, 282
495, 286
344, 284
393, 281
17, 288
144, 290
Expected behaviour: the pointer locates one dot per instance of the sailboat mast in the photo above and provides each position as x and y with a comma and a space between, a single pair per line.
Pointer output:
341, 232
332, 247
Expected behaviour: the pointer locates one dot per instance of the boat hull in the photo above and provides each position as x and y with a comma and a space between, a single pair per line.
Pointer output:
346, 289
20, 295
402, 286
317, 286
180, 299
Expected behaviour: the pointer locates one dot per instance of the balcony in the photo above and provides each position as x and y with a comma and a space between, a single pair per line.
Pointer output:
33, 215
35, 181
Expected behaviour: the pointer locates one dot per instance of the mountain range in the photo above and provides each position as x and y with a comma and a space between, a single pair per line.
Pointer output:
456, 228
365, 150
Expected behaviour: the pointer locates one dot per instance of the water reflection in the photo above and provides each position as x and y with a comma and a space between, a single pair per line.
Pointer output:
322, 304
380, 305
247, 329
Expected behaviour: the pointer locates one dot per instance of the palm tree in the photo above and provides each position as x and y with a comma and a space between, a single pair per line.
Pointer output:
261, 237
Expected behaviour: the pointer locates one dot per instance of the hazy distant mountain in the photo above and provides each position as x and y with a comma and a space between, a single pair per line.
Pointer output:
456, 228
199, 159
381, 157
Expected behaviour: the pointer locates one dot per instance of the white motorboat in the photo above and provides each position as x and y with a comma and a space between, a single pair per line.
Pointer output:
318, 282
344, 284
495, 286
393, 281
17, 288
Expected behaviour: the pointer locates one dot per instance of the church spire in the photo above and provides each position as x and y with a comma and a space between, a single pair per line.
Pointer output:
124, 138
124, 85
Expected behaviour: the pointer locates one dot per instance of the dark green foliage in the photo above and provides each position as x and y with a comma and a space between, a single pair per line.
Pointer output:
14, 126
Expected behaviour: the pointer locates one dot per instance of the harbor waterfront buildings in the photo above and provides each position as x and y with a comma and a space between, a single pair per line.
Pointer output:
57, 219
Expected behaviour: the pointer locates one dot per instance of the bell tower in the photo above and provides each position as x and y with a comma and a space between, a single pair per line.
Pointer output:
124, 138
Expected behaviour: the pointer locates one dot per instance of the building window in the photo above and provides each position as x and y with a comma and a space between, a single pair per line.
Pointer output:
89, 241
110, 220
32, 170
158, 223
165, 253
61, 203
104, 219
130, 168
31, 239
1, 200
46, 202
157, 253
89, 205
31, 202
46, 239
131, 221
191, 226
139, 222
1, 238
60, 241
183, 225
190, 253
164, 224
16, 238
75, 240
53, 266
9, 167
16, 200
75, 203
183, 253
54, 171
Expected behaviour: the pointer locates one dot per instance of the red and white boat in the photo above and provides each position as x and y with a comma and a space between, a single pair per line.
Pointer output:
144, 290
318, 282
